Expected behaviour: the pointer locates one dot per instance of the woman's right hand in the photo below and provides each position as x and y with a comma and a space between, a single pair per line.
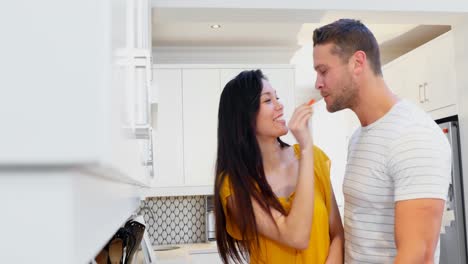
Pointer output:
299, 125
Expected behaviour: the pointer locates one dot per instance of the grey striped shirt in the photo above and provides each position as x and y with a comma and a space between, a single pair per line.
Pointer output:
403, 155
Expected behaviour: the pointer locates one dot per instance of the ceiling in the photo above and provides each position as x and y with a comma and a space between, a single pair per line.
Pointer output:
191, 27
246, 27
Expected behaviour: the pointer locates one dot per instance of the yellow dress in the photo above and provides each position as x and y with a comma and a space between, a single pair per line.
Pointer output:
271, 252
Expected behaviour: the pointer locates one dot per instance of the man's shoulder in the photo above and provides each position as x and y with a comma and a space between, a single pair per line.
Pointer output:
411, 111
408, 117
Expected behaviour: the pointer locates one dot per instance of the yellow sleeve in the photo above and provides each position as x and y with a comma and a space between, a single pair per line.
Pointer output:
225, 192
323, 165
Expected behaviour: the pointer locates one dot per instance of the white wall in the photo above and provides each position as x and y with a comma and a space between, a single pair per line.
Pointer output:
305, 74
331, 132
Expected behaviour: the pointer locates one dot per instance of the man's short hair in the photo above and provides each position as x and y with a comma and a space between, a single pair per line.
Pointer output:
349, 36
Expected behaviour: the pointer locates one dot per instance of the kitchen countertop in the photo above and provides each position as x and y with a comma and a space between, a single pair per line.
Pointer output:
200, 248
181, 254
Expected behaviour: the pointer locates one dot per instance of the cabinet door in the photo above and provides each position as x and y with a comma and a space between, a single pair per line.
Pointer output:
440, 87
78, 115
413, 71
200, 112
225, 75
127, 143
428, 74
395, 77
167, 128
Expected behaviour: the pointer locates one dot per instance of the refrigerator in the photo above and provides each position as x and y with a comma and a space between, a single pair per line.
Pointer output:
453, 234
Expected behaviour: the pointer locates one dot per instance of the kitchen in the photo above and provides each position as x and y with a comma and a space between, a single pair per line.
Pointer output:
83, 196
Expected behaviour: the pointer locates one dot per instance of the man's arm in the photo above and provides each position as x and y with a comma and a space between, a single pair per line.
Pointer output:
417, 229
420, 166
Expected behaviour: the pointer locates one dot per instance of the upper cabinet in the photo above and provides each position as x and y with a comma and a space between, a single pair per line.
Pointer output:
128, 141
85, 98
201, 91
75, 144
185, 121
167, 125
426, 76
440, 89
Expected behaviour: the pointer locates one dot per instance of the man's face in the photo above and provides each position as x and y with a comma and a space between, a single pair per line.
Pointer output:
334, 79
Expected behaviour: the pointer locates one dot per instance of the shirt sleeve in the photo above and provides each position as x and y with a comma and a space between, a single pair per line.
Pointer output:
231, 227
322, 164
420, 165
321, 173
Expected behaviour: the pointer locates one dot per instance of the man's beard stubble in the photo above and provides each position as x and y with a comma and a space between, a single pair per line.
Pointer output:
346, 99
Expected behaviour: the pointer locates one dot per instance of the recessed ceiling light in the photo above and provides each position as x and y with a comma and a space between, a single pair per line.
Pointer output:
215, 26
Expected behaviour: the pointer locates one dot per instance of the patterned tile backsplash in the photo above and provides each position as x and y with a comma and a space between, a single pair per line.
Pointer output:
174, 220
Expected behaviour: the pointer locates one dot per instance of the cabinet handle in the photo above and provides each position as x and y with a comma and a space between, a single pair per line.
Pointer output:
425, 93
148, 158
421, 100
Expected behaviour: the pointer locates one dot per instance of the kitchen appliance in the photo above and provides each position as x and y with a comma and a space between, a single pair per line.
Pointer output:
210, 219
452, 239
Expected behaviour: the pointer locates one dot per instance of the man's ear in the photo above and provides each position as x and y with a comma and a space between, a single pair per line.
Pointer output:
358, 62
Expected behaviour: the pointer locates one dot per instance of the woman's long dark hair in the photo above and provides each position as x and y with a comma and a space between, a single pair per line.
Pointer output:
239, 158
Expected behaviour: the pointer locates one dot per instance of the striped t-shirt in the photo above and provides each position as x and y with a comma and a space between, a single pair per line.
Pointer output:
403, 155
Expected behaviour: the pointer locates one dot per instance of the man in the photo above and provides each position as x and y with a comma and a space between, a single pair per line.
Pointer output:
399, 163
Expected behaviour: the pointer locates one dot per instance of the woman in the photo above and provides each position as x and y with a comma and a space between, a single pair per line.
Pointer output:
273, 202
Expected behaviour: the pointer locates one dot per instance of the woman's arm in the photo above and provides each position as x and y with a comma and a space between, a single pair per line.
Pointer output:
336, 251
293, 229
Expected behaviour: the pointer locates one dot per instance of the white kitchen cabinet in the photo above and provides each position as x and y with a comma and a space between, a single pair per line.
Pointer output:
225, 75
168, 128
82, 100
410, 72
75, 134
201, 91
440, 90
426, 75
393, 74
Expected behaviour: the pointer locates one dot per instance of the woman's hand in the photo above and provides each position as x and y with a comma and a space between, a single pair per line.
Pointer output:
299, 125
